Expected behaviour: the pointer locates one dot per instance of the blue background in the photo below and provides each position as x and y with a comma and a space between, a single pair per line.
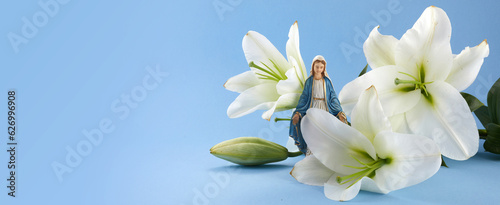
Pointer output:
88, 56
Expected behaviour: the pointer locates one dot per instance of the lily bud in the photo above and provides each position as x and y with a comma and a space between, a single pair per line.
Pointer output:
251, 151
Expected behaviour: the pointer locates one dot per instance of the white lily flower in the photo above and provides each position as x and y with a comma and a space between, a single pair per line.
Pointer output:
419, 79
273, 83
367, 156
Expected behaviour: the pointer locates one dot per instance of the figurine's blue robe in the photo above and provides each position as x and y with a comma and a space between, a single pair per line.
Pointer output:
305, 101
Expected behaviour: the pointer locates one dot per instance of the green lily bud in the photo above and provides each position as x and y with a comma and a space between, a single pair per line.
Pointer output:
251, 151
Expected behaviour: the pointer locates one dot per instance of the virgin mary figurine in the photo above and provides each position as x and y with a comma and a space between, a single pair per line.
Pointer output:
318, 93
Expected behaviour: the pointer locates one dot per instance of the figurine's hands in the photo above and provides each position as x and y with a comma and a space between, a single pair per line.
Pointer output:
295, 119
342, 117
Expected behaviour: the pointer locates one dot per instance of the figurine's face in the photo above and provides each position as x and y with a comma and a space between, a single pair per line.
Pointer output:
318, 68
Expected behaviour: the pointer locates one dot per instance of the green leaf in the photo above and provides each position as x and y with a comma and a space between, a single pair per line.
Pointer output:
482, 133
363, 71
472, 101
492, 143
494, 102
483, 114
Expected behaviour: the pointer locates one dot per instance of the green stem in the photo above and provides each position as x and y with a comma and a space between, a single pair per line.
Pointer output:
398, 81
294, 154
281, 119
418, 85
367, 170
482, 133
409, 75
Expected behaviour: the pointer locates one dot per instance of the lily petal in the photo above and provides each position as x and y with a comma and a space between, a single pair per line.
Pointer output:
340, 192
292, 47
311, 171
260, 97
290, 145
284, 102
294, 82
368, 116
261, 52
242, 82
379, 49
335, 143
368, 184
425, 49
413, 159
399, 123
394, 99
447, 119
466, 66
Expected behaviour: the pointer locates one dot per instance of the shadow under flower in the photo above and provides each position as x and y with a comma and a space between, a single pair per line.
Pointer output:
240, 169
